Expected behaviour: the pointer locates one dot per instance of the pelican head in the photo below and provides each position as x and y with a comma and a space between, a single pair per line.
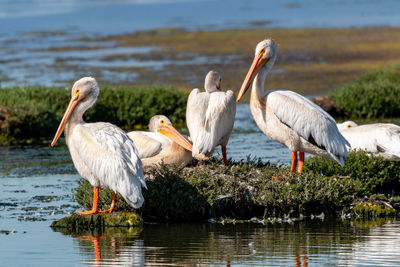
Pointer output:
83, 95
264, 58
161, 124
212, 82
346, 125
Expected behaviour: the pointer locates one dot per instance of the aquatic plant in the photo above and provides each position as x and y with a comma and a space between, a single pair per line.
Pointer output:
375, 94
77, 224
240, 190
34, 112
375, 174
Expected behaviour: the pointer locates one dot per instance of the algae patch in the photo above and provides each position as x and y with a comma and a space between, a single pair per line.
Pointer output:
79, 224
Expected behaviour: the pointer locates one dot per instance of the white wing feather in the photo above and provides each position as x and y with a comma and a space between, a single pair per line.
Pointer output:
309, 121
149, 144
195, 115
112, 158
220, 117
210, 119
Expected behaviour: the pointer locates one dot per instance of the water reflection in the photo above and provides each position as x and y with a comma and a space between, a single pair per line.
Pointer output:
311, 242
112, 249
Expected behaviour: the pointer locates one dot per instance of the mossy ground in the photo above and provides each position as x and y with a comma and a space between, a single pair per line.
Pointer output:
243, 190
97, 223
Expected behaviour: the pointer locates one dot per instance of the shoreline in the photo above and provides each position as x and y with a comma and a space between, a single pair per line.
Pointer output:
309, 61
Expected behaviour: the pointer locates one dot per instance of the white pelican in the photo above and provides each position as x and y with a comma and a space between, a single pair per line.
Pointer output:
380, 139
210, 116
102, 153
288, 117
162, 144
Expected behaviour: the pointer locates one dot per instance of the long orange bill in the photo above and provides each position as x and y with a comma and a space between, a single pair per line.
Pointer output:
175, 136
255, 68
72, 104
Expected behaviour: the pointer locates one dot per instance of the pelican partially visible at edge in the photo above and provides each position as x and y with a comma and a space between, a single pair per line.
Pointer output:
379, 139
162, 144
288, 117
210, 116
101, 152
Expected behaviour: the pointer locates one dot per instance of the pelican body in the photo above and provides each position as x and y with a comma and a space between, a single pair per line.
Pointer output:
210, 116
162, 144
101, 152
288, 117
379, 139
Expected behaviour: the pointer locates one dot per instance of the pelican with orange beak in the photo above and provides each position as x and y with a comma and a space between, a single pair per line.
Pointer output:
289, 118
162, 144
102, 153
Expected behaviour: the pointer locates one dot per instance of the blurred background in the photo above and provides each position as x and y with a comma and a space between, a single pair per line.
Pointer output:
322, 43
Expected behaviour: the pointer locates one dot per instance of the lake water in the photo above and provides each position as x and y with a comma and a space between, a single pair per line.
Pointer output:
29, 28
35, 189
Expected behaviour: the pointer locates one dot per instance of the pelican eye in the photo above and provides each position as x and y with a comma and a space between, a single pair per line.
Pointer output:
349, 126
76, 93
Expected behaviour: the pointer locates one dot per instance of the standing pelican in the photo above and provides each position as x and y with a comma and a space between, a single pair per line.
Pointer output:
288, 117
102, 153
380, 139
210, 116
162, 144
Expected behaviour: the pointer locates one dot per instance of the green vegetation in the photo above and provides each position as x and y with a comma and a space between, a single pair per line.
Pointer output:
244, 190
83, 224
373, 210
241, 190
375, 94
374, 174
34, 112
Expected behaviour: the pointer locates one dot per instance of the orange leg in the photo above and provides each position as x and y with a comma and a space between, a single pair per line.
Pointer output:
294, 161
112, 205
223, 148
304, 260
95, 201
301, 162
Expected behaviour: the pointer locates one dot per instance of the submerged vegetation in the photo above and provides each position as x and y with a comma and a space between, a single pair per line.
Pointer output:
244, 190
34, 112
82, 224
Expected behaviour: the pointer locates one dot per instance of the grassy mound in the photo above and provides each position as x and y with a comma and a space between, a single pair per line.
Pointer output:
374, 174
34, 112
241, 190
375, 94
244, 190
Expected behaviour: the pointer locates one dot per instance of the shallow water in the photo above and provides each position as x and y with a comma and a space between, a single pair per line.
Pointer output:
29, 28
36, 184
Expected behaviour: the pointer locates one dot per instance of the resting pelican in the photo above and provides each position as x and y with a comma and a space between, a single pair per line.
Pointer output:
102, 153
380, 139
288, 117
210, 116
162, 144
